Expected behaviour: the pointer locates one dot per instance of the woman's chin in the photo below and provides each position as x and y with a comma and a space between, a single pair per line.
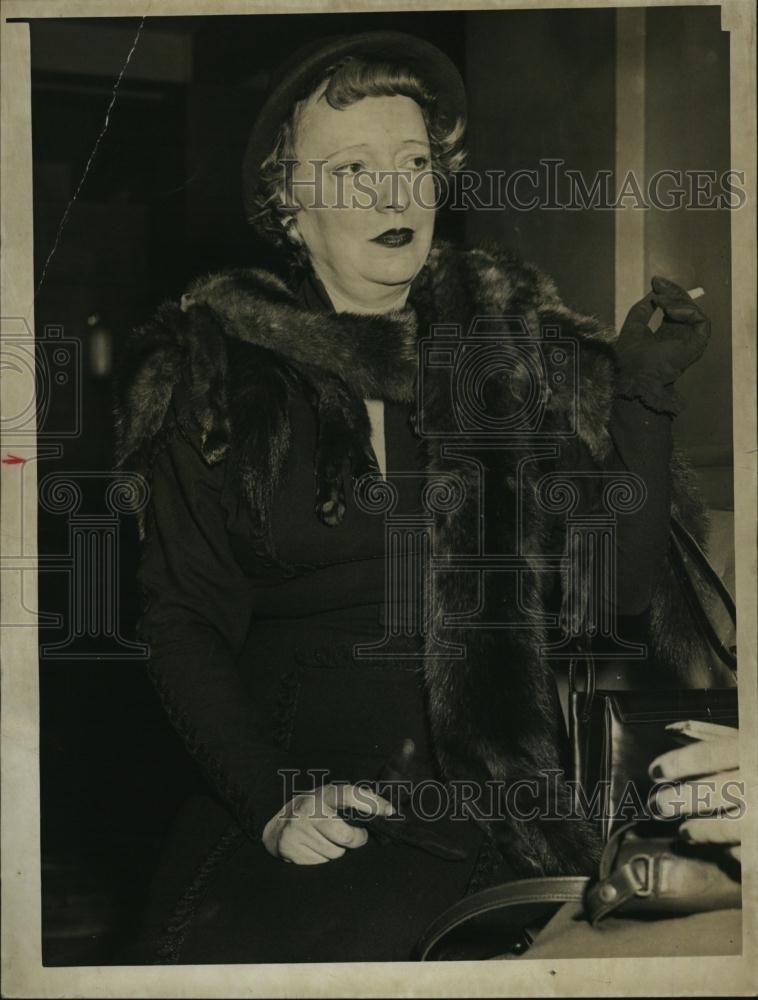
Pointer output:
398, 267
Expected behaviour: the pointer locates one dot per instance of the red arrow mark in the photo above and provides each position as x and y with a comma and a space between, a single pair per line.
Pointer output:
13, 460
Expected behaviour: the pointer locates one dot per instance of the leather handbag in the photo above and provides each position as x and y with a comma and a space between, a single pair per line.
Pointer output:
642, 873
614, 735
639, 876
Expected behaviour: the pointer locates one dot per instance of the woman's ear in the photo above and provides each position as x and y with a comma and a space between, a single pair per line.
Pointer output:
291, 231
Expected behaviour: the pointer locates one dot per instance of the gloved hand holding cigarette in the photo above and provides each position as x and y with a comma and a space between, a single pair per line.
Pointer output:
650, 360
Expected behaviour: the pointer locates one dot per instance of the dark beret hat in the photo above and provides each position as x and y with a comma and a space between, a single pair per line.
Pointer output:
297, 76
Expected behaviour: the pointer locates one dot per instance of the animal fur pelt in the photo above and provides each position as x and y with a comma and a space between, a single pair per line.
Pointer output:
239, 344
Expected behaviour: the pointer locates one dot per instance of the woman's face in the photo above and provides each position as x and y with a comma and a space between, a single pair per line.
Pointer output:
376, 177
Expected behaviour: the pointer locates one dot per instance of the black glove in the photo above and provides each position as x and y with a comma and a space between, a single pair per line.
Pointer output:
649, 363
402, 767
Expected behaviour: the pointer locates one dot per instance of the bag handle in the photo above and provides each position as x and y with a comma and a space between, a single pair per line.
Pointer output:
614, 887
688, 541
585, 657
502, 910
681, 542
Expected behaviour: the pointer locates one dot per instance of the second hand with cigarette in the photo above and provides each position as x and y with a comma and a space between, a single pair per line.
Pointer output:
657, 318
692, 730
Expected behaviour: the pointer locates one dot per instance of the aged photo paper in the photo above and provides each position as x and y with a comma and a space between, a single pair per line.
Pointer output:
258, 286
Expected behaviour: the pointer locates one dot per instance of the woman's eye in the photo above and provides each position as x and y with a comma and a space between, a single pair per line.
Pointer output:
420, 162
348, 168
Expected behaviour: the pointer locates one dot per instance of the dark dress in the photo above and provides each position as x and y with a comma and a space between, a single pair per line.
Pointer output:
287, 695
255, 661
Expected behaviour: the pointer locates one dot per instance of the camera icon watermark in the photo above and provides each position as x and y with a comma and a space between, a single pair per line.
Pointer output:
498, 379
42, 376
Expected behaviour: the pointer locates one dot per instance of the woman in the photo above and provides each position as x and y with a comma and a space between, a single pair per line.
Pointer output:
293, 674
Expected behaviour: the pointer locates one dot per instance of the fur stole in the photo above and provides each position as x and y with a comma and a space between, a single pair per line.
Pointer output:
240, 343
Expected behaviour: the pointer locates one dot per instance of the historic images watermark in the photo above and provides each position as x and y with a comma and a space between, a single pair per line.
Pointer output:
538, 798
547, 185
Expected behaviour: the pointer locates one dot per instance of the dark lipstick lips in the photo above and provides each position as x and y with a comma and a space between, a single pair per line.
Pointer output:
394, 237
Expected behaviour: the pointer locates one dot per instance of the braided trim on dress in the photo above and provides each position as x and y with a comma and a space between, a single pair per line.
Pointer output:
173, 938
231, 791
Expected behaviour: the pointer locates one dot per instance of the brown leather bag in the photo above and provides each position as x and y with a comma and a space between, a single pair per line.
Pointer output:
642, 873
639, 876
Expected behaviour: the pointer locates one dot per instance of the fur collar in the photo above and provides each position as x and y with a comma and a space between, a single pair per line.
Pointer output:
240, 331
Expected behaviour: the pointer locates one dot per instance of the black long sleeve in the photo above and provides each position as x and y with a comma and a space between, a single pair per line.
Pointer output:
643, 444
197, 614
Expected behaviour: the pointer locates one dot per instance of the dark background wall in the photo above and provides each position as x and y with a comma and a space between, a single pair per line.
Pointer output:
687, 89
160, 203
542, 86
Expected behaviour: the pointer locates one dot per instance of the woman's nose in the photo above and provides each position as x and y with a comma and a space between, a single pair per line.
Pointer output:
393, 191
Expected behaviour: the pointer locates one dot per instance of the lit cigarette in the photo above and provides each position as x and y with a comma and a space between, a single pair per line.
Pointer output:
657, 318
698, 730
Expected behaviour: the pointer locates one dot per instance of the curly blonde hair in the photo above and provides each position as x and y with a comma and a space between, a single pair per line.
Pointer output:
349, 81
